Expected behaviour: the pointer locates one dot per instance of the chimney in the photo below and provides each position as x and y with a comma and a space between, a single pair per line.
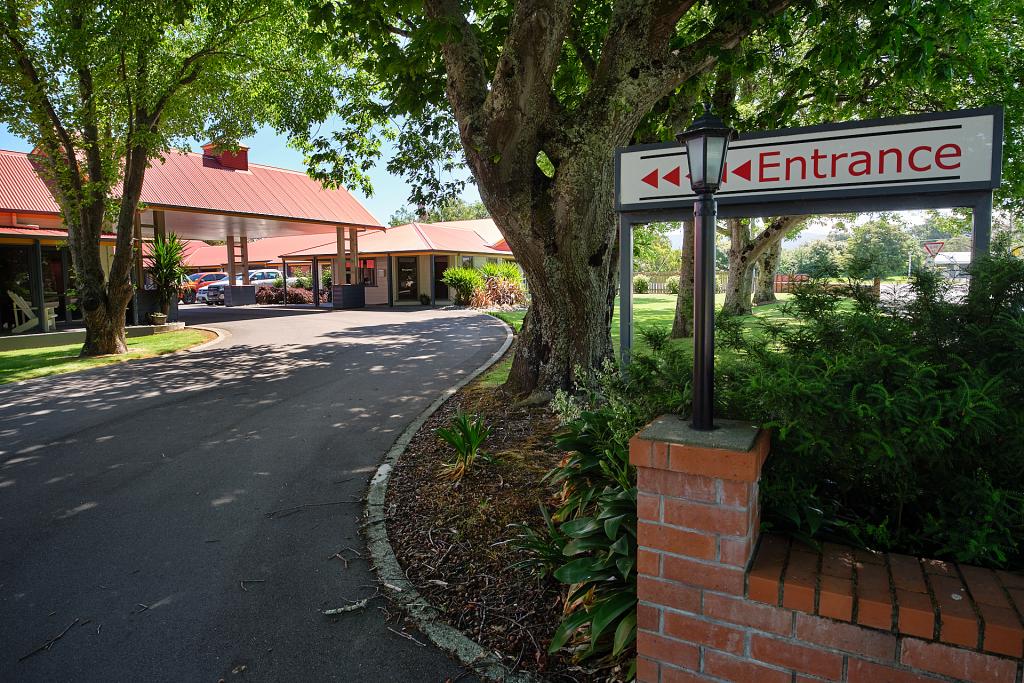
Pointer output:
238, 160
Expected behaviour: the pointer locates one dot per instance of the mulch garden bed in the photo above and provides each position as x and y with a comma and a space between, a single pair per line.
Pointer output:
454, 538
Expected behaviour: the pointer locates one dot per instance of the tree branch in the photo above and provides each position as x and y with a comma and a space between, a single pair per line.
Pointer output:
467, 78
586, 59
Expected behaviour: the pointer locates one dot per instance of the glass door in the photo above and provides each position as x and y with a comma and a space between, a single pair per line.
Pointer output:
408, 278
440, 288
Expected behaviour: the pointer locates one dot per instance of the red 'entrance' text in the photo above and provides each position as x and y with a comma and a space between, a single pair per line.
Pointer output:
773, 167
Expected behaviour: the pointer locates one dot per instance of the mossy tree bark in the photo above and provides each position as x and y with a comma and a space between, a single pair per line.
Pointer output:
682, 326
744, 252
767, 266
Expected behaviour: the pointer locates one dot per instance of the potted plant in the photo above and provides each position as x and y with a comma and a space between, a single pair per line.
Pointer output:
167, 269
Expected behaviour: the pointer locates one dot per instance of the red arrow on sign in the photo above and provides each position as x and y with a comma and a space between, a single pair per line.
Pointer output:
652, 179
743, 170
672, 176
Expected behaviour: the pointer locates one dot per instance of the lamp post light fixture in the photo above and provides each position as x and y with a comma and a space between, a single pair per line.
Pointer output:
707, 142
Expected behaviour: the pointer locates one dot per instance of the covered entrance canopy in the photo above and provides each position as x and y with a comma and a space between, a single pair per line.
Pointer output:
216, 195
942, 160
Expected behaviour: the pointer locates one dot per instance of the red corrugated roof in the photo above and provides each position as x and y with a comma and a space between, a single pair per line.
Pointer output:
21, 188
474, 237
198, 182
192, 181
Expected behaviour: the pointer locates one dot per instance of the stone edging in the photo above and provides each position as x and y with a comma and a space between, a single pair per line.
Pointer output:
426, 618
221, 336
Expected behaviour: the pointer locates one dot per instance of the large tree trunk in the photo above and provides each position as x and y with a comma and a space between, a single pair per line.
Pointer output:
682, 326
105, 296
767, 266
740, 280
572, 276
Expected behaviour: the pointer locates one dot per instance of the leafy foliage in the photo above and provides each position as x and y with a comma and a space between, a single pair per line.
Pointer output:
655, 336
498, 292
877, 249
641, 284
819, 259
502, 270
466, 434
672, 284
464, 281
896, 429
103, 89
296, 295
166, 265
591, 540
455, 209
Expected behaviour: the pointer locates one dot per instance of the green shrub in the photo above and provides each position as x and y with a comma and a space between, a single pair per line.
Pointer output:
655, 336
465, 435
464, 281
502, 270
278, 282
896, 427
325, 278
641, 284
672, 284
303, 282
589, 543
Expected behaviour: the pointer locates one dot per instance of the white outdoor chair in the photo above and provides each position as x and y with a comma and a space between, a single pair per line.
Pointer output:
25, 317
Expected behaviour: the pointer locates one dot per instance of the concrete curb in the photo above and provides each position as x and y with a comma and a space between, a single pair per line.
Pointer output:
427, 619
221, 336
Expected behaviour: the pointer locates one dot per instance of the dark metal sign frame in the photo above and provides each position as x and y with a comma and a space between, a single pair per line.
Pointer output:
974, 195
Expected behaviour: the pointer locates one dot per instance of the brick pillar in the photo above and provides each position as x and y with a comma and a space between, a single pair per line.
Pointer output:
698, 518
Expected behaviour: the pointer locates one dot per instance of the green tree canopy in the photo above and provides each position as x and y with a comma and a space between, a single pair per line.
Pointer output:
537, 95
102, 89
879, 248
454, 209
817, 259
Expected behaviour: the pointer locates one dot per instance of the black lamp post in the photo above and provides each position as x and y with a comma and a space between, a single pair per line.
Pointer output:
707, 142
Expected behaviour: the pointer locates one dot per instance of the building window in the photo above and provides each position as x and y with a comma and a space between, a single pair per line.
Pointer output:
369, 270
467, 261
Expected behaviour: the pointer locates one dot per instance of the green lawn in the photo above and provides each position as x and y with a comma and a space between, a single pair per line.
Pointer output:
649, 310
652, 310
53, 360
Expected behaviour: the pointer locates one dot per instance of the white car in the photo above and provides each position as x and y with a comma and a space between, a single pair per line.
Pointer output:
213, 293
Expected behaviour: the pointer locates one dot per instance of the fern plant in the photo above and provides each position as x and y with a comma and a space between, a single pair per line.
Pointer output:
465, 435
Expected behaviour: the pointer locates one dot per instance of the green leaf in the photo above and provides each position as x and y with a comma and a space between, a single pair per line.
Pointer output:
583, 569
606, 611
580, 527
565, 630
625, 634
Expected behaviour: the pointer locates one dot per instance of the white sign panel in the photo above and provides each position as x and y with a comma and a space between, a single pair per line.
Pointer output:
930, 153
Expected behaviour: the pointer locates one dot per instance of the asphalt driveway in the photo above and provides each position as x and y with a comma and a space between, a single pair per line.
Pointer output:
186, 510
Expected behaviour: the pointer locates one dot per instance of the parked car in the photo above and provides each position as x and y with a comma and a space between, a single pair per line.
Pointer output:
213, 293
191, 286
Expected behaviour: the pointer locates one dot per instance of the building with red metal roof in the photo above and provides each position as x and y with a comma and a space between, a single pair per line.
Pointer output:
216, 195
404, 264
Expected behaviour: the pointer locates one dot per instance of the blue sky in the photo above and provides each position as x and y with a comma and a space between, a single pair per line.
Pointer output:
267, 147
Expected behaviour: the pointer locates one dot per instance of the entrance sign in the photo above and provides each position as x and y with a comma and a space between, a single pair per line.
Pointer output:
943, 160
957, 151
933, 248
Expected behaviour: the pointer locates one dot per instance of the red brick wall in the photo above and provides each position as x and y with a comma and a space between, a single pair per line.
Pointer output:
800, 614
